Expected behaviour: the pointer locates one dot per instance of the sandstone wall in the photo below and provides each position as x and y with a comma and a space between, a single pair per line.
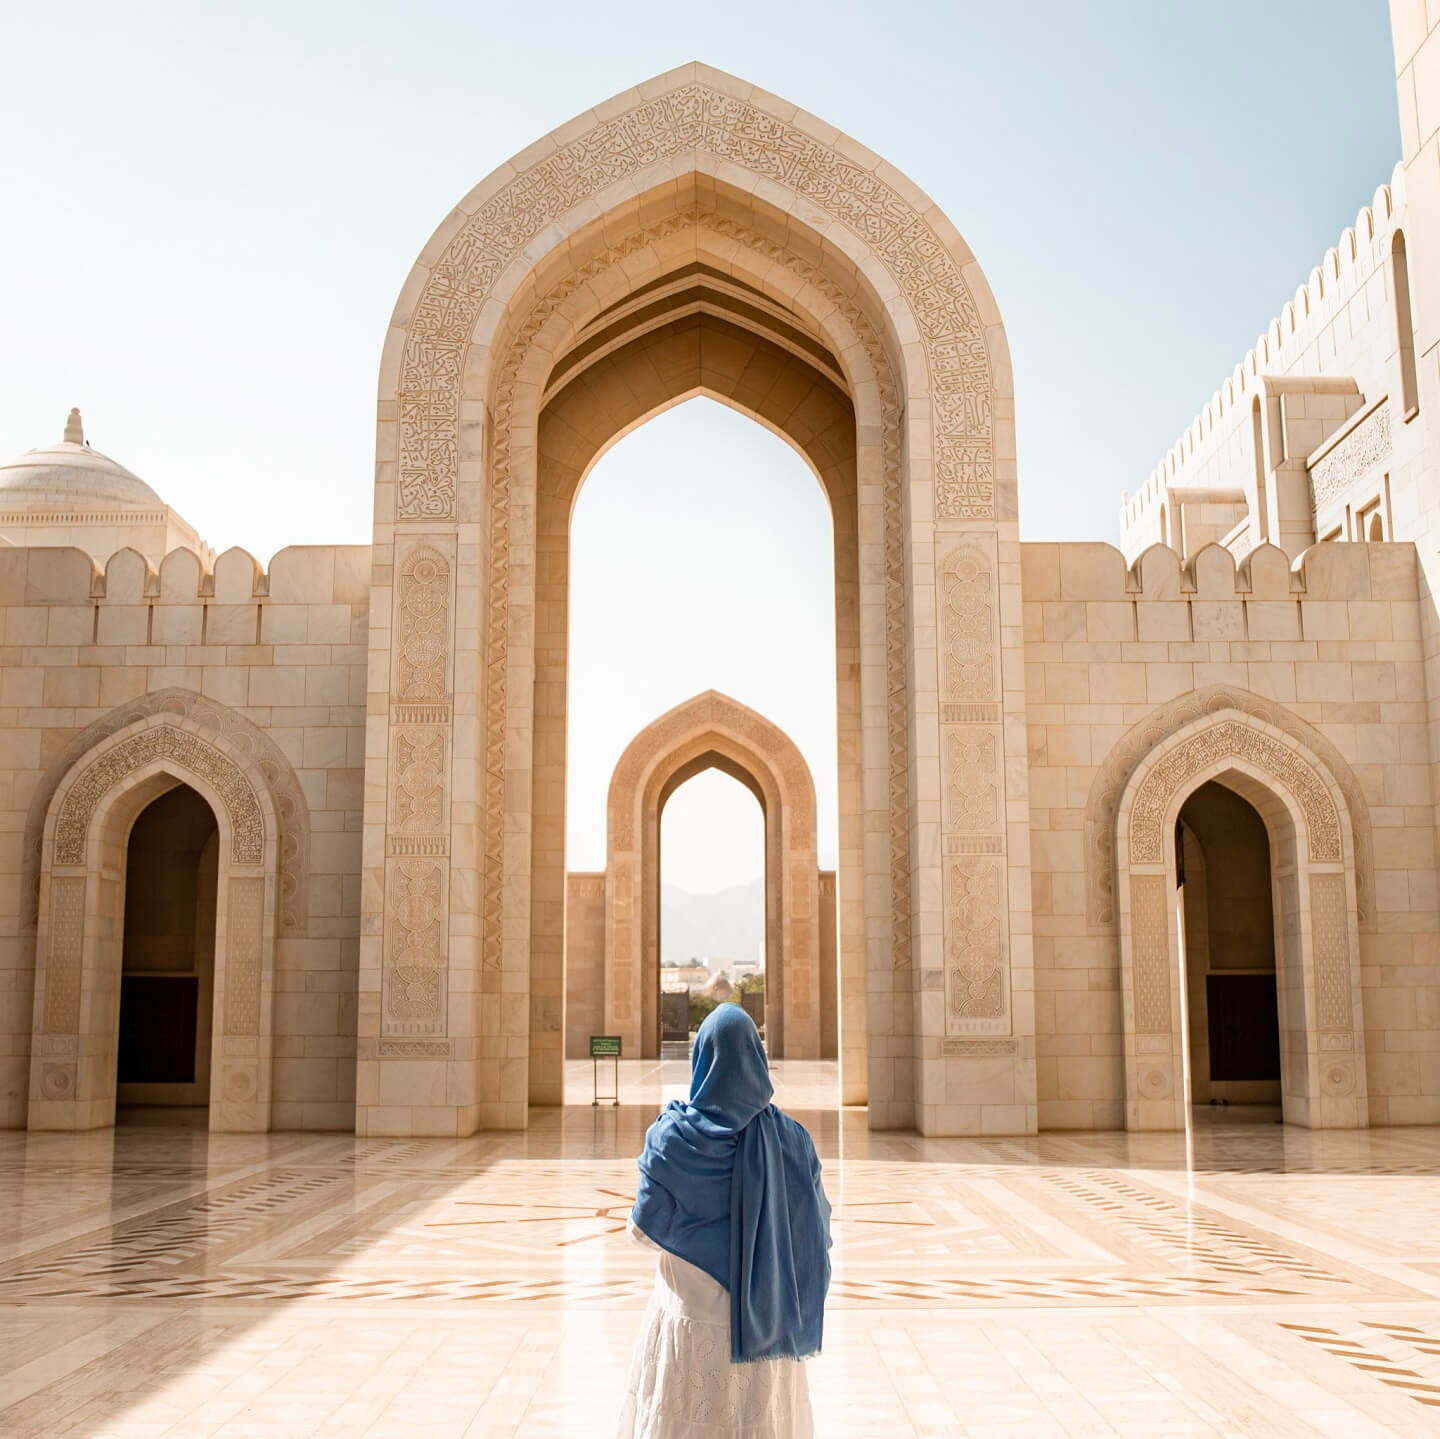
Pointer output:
285, 652
1335, 644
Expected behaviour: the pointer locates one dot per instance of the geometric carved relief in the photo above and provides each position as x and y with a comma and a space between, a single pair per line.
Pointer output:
1330, 929
244, 945
67, 949
972, 779
696, 117
247, 825
417, 840
1215, 744
1150, 952
414, 974
974, 890
975, 951
422, 646
1114, 774
971, 651
240, 736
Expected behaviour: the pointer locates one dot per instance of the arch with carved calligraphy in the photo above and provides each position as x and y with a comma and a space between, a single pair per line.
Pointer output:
1317, 935
696, 201
81, 921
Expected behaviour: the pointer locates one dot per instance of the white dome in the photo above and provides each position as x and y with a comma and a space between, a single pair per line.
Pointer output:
72, 476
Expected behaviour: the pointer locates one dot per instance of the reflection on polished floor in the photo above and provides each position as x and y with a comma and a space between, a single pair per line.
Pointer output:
1256, 1281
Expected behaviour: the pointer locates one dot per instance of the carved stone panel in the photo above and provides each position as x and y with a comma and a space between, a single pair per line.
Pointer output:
974, 885
1150, 952
417, 828
977, 980
689, 118
1330, 928
189, 753
244, 948
413, 984
1207, 747
65, 962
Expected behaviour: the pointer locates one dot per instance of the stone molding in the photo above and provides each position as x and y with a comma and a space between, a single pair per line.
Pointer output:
192, 755
497, 621
237, 733
1108, 787
688, 119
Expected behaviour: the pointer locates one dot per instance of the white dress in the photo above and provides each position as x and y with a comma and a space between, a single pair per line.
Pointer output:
682, 1383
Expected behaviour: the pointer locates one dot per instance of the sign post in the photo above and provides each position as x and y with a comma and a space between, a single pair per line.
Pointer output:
605, 1046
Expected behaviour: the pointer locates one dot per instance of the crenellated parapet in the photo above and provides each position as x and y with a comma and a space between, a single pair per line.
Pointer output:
1240, 473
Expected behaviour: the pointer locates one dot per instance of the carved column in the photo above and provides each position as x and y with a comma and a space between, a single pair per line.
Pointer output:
978, 1069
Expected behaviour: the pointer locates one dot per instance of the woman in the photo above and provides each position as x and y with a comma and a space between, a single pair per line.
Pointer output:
730, 1195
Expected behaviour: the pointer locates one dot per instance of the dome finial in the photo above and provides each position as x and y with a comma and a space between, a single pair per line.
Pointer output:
74, 435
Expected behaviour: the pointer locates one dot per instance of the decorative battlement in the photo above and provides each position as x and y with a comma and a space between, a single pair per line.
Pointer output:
1095, 572
298, 574
1361, 251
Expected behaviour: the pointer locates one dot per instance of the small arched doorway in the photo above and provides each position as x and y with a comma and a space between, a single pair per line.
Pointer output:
1223, 872
1315, 926
167, 978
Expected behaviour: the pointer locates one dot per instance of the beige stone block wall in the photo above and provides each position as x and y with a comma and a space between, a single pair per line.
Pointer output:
584, 961
1335, 646
281, 654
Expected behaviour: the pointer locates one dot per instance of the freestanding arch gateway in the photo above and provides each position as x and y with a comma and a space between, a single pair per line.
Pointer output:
713, 731
696, 236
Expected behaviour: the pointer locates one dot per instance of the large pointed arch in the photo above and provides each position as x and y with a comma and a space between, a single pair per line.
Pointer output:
713, 731
695, 194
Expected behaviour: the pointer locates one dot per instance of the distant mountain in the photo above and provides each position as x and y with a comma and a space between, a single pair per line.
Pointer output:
730, 922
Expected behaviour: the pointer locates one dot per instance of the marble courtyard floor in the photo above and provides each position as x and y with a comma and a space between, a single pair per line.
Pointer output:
1253, 1280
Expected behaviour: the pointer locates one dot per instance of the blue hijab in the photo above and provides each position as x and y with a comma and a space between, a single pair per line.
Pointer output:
732, 1184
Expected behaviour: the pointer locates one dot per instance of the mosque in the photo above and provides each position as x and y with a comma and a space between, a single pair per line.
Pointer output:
1123, 829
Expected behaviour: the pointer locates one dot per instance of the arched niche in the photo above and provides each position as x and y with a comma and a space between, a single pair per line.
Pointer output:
81, 921
1317, 941
713, 731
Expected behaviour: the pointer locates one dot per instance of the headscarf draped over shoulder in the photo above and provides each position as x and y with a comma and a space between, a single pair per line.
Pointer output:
732, 1184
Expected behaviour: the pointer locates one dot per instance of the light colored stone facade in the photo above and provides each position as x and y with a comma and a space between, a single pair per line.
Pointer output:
381, 732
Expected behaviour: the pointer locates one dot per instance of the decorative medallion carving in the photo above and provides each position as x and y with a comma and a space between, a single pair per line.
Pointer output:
1210, 746
415, 946
419, 798
64, 964
971, 649
187, 751
975, 953
1150, 952
244, 948
423, 641
972, 781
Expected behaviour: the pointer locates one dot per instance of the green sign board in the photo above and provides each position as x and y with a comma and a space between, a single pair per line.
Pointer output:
604, 1046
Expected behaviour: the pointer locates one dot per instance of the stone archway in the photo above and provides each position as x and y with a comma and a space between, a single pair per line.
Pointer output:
713, 731
698, 196
81, 922
1312, 849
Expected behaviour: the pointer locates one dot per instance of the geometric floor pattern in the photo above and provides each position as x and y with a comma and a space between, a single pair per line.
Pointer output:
1245, 1279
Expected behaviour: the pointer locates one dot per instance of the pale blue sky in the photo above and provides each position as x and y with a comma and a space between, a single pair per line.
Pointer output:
209, 212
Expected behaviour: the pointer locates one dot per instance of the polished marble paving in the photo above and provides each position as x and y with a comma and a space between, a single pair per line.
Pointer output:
1246, 1280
